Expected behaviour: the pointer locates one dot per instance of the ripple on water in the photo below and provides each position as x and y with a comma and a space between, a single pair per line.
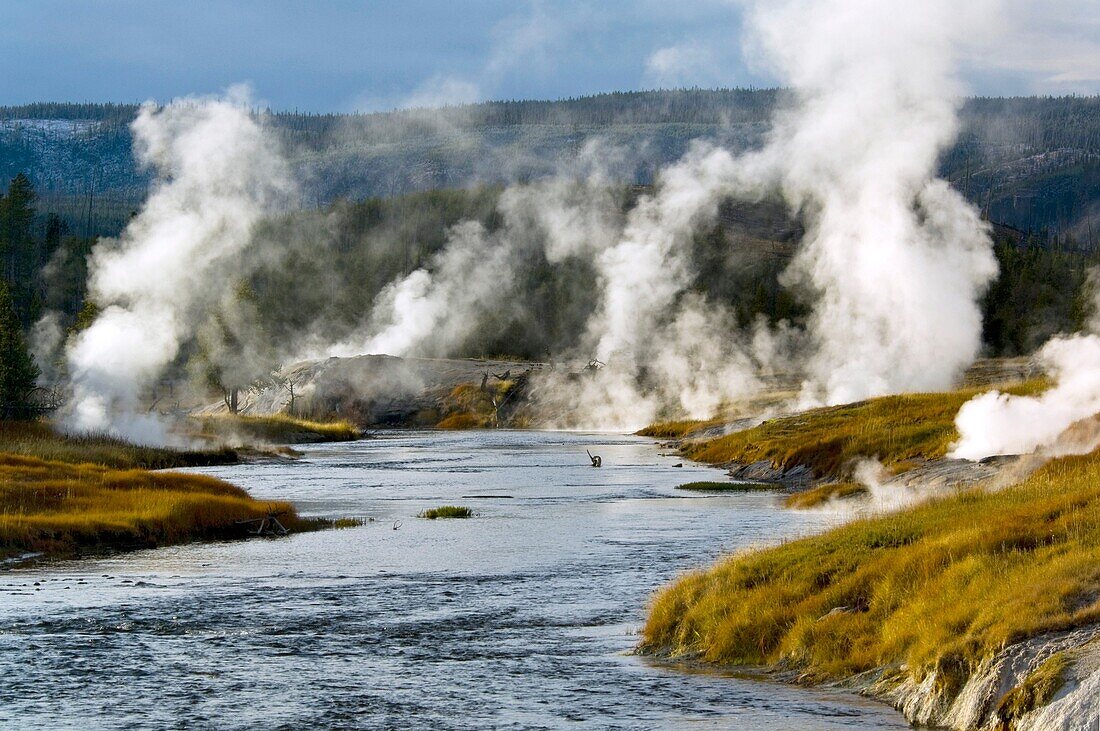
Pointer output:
522, 617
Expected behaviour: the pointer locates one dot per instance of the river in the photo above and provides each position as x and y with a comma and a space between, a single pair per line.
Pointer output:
521, 617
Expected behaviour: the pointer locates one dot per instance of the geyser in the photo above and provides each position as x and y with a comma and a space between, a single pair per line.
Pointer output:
217, 174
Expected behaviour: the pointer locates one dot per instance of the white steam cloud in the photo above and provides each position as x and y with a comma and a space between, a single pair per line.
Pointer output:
893, 259
217, 175
897, 259
998, 423
430, 311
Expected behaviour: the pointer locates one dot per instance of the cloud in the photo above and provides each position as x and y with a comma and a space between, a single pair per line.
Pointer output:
685, 64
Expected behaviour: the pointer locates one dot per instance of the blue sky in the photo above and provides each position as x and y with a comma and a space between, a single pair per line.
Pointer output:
340, 55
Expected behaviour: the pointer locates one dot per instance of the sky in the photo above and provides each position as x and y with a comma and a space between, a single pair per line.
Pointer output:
370, 55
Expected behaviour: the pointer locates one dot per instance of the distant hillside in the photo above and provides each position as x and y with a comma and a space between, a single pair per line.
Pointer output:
1031, 163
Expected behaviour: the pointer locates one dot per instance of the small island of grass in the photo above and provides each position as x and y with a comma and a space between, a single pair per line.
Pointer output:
447, 511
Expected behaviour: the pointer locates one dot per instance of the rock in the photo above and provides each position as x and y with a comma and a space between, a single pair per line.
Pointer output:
975, 705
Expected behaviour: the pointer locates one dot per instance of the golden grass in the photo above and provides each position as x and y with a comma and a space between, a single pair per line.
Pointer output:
60, 508
940, 585
38, 439
465, 421
822, 494
678, 429
467, 406
831, 440
279, 428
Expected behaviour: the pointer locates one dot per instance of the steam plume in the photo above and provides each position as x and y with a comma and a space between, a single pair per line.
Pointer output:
998, 423
217, 174
897, 260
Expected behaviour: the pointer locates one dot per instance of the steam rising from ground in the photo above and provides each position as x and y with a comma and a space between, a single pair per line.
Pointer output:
896, 258
1055, 422
217, 176
893, 260
431, 311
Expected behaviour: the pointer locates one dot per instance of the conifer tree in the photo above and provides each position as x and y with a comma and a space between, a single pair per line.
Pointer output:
17, 370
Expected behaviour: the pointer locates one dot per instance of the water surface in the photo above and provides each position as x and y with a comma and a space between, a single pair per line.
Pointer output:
521, 617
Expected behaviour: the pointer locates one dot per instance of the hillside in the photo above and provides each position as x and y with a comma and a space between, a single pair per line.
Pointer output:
1032, 163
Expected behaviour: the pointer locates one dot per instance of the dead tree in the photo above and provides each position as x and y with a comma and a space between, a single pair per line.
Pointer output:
231, 398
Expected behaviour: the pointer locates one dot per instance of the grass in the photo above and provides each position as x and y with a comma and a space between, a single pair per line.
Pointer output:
937, 587
678, 429
1036, 691
447, 511
61, 495
279, 428
822, 494
465, 421
467, 406
38, 439
705, 486
61, 508
831, 440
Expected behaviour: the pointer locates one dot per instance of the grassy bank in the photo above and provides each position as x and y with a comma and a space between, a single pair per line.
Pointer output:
938, 586
61, 495
277, 429
39, 439
831, 440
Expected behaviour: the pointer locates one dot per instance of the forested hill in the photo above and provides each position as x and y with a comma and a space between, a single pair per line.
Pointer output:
1032, 163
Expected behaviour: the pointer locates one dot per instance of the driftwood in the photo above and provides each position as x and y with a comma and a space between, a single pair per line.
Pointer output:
597, 460
268, 525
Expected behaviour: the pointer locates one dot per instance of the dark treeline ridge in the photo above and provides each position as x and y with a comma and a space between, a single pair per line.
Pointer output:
108, 112
1029, 162
685, 106
335, 260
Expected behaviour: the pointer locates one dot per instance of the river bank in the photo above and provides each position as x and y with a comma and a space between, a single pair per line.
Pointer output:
64, 496
965, 594
522, 616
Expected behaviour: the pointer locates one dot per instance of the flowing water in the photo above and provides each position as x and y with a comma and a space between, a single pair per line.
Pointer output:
521, 617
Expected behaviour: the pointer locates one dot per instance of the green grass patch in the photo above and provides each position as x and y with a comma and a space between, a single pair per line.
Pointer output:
447, 511
939, 586
1036, 691
705, 486
278, 429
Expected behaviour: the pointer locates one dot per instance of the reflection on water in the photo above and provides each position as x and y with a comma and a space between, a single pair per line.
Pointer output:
522, 617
